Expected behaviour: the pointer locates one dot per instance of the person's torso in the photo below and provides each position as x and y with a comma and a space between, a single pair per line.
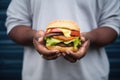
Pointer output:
85, 12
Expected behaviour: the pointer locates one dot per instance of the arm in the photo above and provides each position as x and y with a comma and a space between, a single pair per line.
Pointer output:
22, 35
18, 24
98, 38
101, 36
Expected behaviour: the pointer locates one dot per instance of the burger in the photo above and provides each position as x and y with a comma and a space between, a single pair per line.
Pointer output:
62, 35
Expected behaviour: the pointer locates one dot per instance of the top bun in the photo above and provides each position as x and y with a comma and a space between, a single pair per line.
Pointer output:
63, 24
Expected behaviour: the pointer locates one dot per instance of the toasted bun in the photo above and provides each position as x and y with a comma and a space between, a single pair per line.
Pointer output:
63, 24
61, 49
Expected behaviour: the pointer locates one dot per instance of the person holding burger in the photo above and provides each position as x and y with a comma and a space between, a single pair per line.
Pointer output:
64, 39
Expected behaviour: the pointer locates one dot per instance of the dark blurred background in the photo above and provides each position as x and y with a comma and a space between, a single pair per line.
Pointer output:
11, 54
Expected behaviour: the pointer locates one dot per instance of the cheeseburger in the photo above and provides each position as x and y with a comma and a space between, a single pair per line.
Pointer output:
62, 35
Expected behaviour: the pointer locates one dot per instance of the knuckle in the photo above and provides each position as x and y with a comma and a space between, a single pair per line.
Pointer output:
73, 61
49, 58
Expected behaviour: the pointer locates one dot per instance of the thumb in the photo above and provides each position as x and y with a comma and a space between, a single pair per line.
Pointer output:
39, 35
41, 32
40, 39
84, 47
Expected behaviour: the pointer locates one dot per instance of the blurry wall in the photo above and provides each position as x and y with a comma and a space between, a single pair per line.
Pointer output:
11, 54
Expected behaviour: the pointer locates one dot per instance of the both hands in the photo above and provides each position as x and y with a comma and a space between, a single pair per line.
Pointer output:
38, 42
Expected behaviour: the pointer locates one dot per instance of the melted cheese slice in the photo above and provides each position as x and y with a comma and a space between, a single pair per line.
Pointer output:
66, 32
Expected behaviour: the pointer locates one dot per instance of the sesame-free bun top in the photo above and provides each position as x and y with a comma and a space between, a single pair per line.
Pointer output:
68, 24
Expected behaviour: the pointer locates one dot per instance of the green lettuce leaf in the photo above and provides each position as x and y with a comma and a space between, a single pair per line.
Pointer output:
52, 41
76, 42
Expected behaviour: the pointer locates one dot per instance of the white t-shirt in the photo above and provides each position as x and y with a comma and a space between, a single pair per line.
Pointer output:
89, 14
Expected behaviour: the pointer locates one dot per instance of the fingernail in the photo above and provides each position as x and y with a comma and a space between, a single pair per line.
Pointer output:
37, 38
67, 52
57, 51
58, 55
63, 54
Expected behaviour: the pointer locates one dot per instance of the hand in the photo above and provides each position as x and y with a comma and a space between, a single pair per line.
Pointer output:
39, 45
74, 56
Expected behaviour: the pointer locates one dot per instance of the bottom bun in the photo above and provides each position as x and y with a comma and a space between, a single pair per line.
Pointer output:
62, 49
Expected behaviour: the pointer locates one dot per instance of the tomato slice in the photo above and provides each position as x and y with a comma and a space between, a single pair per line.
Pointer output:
75, 33
64, 38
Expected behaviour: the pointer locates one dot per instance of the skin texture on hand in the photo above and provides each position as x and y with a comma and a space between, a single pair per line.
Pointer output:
74, 56
98, 38
39, 45
53, 54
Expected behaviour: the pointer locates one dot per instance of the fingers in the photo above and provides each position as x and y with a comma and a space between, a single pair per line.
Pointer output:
39, 34
74, 56
70, 58
52, 57
38, 42
83, 39
83, 49
42, 49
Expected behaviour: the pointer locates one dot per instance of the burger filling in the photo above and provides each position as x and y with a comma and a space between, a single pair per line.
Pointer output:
63, 38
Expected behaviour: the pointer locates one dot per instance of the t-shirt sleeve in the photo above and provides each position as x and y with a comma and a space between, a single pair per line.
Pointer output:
110, 15
17, 14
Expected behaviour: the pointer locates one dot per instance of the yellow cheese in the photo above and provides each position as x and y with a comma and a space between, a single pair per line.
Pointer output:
66, 32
